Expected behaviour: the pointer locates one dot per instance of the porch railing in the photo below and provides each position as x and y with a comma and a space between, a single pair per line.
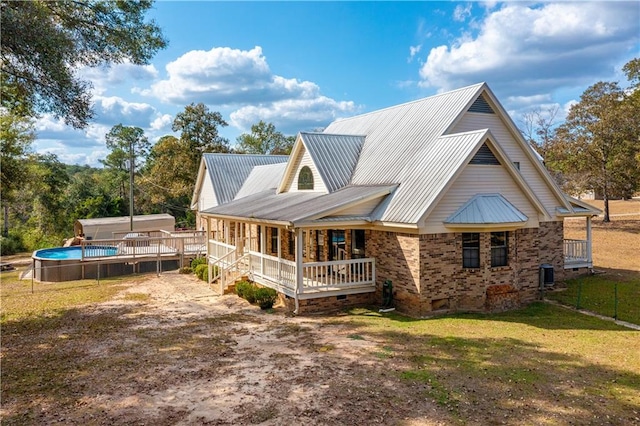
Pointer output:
280, 274
576, 251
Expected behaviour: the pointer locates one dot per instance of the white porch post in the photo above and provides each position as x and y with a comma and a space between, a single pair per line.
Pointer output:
250, 247
227, 237
279, 256
299, 271
589, 254
263, 237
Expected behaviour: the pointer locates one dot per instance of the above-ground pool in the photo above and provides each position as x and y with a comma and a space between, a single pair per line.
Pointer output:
67, 264
75, 252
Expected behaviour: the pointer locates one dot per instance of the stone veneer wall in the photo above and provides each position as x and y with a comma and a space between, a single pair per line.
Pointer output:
427, 273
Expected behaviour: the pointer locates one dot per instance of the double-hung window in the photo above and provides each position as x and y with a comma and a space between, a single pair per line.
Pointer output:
471, 250
499, 248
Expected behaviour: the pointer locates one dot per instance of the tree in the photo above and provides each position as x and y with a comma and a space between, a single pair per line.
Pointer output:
16, 136
45, 42
265, 139
127, 144
538, 127
198, 129
167, 183
599, 142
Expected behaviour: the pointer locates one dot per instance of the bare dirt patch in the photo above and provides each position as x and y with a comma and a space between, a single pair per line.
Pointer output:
185, 356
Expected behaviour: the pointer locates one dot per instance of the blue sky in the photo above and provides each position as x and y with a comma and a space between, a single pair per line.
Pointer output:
301, 65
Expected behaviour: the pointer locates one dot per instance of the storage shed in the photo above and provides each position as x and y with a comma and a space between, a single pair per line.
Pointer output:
104, 227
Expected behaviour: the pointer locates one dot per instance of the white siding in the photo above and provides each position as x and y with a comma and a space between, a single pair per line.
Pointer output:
474, 121
304, 159
479, 179
207, 196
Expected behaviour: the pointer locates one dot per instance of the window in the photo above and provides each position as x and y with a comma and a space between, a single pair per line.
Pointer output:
292, 243
305, 178
357, 244
499, 248
274, 240
471, 250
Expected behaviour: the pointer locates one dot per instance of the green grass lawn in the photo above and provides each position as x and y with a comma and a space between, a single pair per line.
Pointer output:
541, 365
597, 293
22, 299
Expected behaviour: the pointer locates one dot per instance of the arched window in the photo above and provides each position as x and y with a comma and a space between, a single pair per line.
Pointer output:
305, 178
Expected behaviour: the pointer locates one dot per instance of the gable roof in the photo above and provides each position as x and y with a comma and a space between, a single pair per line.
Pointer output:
411, 148
262, 178
228, 173
335, 157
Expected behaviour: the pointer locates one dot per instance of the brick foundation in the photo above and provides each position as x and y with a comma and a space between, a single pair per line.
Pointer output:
327, 304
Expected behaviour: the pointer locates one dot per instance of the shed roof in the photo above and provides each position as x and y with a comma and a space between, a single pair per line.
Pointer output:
101, 221
296, 208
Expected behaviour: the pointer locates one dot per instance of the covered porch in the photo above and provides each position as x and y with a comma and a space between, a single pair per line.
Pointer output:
301, 263
578, 251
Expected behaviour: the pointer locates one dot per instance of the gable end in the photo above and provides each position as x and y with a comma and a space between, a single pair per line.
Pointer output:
481, 105
485, 156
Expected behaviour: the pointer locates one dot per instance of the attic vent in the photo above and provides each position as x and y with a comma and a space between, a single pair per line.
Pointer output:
485, 156
481, 105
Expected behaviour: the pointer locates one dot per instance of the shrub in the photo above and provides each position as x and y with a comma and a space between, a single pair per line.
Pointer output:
185, 270
198, 261
242, 287
11, 245
202, 272
265, 297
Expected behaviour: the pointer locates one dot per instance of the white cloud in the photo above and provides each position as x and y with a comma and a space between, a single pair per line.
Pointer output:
535, 49
461, 13
413, 51
114, 110
104, 78
224, 76
162, 122
293, 115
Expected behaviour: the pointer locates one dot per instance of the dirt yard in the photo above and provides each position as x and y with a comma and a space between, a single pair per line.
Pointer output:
128, 361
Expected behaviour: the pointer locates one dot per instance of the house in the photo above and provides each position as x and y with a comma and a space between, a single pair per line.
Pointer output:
440, 197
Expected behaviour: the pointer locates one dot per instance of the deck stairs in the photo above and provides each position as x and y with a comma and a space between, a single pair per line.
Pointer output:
228, 271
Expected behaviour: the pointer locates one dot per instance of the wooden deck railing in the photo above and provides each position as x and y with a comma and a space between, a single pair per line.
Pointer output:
143, 246
280, 274
576, 251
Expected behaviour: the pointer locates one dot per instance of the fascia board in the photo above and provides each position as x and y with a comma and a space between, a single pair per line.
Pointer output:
198, 187
295, 153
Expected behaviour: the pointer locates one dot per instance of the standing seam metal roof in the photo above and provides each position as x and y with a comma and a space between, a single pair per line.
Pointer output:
487, 209
228, 172
335, 156
405, 145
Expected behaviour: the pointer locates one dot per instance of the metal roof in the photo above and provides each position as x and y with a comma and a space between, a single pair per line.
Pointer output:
485, 209
297, 207
405, 145
262, 178
125, 219
228, 172
335, 156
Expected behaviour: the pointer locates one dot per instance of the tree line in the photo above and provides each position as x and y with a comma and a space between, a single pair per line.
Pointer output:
42, 197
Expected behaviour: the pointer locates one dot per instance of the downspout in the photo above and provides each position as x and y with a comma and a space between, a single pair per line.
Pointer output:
299, 275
